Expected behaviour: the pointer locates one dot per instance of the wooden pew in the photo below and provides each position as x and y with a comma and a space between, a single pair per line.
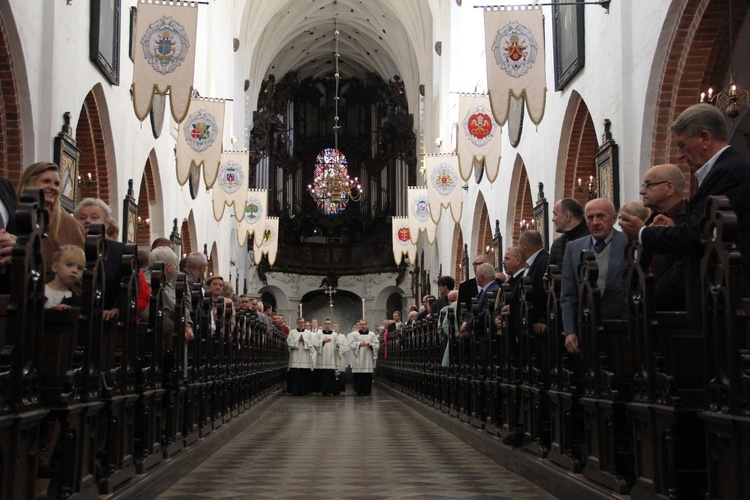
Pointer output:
668, 392
606, 366
118, 383
193, 377
566, 413
148, 423
510, 372
174, 349
727, 355
535, 365
22, 313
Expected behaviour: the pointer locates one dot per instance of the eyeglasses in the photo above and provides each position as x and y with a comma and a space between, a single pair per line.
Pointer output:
649, 185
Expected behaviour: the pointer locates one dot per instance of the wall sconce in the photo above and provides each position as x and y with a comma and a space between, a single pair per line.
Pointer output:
86, 181
233, 139
524, 224
589, 187
144, 223
438, 142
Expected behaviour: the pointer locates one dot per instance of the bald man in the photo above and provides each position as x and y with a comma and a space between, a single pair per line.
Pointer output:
661, 191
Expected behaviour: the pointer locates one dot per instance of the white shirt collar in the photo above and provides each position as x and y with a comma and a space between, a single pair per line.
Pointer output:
703, 172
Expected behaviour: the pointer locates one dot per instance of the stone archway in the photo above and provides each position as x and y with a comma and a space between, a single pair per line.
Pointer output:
146, 196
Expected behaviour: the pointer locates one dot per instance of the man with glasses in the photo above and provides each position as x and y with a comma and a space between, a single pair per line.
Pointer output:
468, 289
702, 138
661, 191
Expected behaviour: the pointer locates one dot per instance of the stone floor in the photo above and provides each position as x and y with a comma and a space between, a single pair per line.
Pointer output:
349, 447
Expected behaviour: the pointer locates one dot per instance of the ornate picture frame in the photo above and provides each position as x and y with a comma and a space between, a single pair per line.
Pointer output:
608, 167
104, 36
568, 37
66, 156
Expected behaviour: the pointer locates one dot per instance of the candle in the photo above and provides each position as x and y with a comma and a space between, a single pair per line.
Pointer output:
363, 308
300, 309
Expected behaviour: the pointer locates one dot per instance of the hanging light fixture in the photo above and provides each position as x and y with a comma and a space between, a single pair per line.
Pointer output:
332, 187
731, 100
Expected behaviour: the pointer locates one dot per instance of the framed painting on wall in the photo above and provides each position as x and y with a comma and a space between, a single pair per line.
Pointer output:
104, 49
568, 37
66, 156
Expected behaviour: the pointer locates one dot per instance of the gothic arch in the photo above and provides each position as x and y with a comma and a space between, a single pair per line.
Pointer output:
11, 131
92, 141
458, 252
482, 229
146, 197
520, 201
577, 151
696, 36
213, 261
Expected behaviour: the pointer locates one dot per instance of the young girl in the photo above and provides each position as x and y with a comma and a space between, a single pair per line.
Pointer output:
67, 265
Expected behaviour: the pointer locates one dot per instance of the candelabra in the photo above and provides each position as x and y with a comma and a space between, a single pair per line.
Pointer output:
589, 187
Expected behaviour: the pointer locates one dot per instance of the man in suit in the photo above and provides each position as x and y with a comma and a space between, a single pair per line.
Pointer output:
445, 284
468, 289
514, 267
609, 248
485, 275
661, 191
536, 259
701, 135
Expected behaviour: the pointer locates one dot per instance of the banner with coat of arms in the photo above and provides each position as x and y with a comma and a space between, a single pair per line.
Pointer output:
199, 139
478, 137
231, 183
443, 186
269, 244
165, 55
254, 218
402, 241
514, 48
419, 214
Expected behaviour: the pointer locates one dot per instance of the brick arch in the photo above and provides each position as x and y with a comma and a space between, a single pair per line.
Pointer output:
578, 148
520, 201
91, 140
11, 138
185, 235
213, 261
696, 59
484, 235
146, 196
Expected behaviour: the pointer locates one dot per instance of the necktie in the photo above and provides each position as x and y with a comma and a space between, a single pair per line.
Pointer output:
599, 246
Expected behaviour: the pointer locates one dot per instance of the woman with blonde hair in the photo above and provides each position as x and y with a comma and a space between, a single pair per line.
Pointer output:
63, 228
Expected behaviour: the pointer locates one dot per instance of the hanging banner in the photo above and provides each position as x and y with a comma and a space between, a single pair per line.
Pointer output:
199, 139
165, 55
478, 137
514, 47
254, 219
402, 240
230, 187
419, 214
269, 244
443, 186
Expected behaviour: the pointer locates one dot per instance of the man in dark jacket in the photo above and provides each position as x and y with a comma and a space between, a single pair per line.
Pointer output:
661, 191
702, 139
567, 217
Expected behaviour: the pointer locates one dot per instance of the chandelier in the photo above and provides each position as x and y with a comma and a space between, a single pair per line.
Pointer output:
731, 100
332, 187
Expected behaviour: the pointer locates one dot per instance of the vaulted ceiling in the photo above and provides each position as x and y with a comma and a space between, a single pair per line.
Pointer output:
388, 37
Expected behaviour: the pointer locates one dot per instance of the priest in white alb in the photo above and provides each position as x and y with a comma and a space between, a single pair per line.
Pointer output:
364, 346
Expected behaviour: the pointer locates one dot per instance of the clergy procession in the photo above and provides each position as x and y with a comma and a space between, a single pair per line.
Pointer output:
319, 358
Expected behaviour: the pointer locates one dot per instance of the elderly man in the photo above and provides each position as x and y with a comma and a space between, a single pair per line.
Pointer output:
468, 289
609, 250
567, 217
514, 266
215, 285
701, 135
661, 191
486, 280
168, 293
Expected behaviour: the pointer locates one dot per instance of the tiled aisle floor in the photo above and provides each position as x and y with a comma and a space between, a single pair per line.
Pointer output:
349, 447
